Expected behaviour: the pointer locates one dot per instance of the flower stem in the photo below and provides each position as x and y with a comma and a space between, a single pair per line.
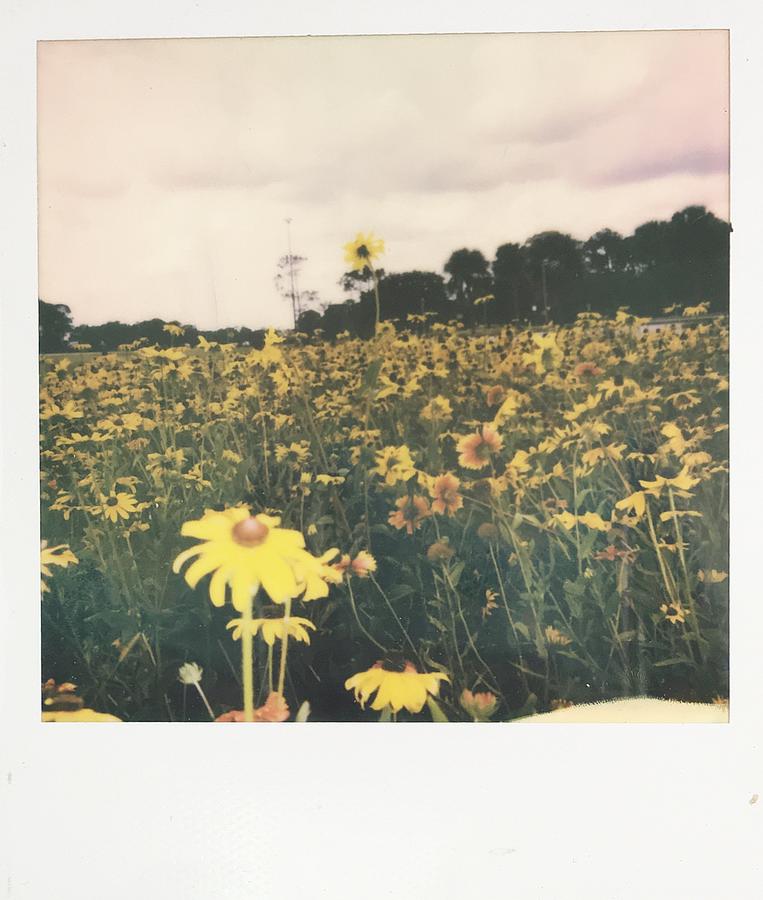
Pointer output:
204, 698
247, 671
376, 298
284, 649
357, 619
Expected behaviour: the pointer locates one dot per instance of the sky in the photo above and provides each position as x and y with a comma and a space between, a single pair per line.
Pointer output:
167, 168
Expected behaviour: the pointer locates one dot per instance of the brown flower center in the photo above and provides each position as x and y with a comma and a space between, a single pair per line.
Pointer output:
395, 663
250, 532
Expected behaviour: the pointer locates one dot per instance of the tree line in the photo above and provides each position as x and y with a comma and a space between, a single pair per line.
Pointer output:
678, 262
550, 277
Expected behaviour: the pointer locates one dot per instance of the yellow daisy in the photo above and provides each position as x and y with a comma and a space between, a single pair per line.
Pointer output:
78, 715
361, 253
246, 552
117, 505
54, 556
396, 686
271, 629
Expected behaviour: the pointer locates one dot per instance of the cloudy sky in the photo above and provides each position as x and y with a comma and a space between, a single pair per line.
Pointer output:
167, 167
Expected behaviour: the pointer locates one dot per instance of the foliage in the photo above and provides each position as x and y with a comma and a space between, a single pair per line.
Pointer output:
55, 326
576, 551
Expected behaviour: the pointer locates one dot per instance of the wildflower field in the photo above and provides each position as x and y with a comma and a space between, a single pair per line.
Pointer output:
437, 523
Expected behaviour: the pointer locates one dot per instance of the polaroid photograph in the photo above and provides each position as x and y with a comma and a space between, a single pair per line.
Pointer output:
388, 373
414, 408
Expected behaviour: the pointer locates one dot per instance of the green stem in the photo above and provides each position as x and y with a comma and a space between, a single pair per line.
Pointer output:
247, 671
376, 299
357, 618
284, 649
687, 584
204, 698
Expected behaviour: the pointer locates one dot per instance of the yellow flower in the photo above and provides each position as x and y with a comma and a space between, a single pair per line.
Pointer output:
674, 612
437, 410
676, 442
173, 329
78, 715
394, 464
271, 629
565, 519
712, 576
635, 502
507, 409
247, 552
547, 354
117, 505
595, 521
361, 253
396, 686
54, 556
554, 636
682, 482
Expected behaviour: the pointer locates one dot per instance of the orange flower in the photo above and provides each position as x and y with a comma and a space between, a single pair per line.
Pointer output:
275, 709
587, 368
363, 565
479, 705
411, 512
444, 491
476, 449
342, 564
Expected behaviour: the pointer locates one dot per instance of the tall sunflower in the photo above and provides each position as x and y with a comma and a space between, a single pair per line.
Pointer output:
363, 252
247, 552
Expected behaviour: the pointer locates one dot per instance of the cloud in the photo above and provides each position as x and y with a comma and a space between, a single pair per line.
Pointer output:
167, 168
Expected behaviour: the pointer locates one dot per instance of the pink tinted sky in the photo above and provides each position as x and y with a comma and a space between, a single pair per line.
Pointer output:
167, 167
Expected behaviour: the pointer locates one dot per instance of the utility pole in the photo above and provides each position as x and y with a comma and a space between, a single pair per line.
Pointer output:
292, 280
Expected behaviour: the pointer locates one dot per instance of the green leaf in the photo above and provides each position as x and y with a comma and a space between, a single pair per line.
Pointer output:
523, 630
456, 572
673, 661
372, 374
436, 710
399, 591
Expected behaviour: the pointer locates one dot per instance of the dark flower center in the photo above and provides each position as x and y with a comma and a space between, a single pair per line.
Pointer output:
394, 663
112, 501
363, 251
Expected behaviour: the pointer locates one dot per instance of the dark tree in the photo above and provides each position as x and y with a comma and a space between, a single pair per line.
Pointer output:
512, 286
468, 275
309, 322
605, 251
554, 262
55, 327
403, 293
